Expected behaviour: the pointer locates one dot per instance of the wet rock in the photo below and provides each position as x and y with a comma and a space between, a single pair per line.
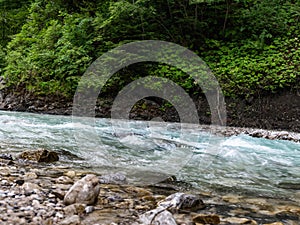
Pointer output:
116, 178
182, 201
85, 190
157, 216
206, 219
40, 155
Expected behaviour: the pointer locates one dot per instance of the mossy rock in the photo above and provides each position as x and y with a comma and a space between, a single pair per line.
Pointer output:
40, 155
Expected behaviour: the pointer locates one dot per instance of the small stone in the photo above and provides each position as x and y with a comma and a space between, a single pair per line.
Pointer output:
20, 182
181, 201
59, 193
36, 204
6, 156
73, 220
4, 171
64, 180
89, 209
206, 219
70, 174
30, 188
85, 190
59, 215
30, 176
74, 209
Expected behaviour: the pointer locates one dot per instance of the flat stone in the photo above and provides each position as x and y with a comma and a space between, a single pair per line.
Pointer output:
237, 220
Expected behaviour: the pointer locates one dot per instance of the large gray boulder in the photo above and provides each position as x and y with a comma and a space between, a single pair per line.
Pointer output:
84, 191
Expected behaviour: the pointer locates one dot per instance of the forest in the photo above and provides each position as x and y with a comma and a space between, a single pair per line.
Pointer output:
252, 46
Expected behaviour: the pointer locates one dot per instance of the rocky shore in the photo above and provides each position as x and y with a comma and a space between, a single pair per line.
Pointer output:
34, 190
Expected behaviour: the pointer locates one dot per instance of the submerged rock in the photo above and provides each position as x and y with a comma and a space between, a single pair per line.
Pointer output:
40, 155
85, 191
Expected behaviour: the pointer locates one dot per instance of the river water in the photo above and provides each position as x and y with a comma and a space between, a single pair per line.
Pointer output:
149, 152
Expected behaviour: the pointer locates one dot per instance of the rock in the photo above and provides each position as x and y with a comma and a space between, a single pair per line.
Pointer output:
116, 178
64, 180
157, 216
6, 156
30, 176
74, 209
70, 174
237, 220
181, 201
59, 193
30, 188
85, 191
73, 220
40, 155
206, 219
89, 209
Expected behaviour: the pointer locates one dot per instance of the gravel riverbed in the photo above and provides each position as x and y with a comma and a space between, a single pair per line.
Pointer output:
35, 193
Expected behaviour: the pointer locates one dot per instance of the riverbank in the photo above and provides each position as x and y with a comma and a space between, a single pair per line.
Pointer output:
34, 193
271, 112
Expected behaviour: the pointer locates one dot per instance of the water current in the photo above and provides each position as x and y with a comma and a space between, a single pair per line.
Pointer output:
150, 151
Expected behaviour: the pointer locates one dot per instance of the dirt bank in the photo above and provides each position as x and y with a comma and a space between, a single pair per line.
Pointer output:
273, 112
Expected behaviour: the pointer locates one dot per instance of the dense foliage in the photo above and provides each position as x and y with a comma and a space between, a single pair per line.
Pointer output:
252, 46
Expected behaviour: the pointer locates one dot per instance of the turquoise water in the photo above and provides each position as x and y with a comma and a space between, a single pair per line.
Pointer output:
148, 152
